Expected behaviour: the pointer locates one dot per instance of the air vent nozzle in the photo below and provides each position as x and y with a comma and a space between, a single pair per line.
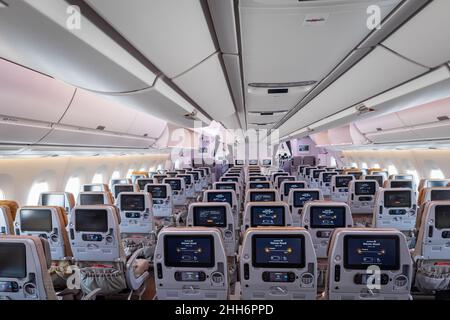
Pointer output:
443, 118
191, 116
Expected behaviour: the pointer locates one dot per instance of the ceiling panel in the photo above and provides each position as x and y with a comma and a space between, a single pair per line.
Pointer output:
258, 118
172, 34
207, 86
232, 66
292, 41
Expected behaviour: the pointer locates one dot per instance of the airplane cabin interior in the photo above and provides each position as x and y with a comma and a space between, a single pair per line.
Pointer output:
224, 150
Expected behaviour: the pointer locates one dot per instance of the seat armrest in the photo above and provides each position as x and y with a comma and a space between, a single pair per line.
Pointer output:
134, 282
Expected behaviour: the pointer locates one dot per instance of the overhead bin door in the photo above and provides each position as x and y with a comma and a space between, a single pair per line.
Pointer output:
425, 38
377, 72
35, 34
172, 34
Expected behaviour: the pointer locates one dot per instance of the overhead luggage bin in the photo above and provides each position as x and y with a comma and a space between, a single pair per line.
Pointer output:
366, 79
29, 95
22, 132
172, 34
424, 38
163, 102
86, 58
207, 86
223, 16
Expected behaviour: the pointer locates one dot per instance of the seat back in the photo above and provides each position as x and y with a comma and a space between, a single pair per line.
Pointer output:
278, 263
286, 187
227, 196
6, 221
259, 185
113, 182
162, 199
94, 234
12, 205
24, 264
178, 188
189, 183
361, 197
142, 182
377, 177
325, 181
230, 185
215, 215
434, 233
368, 264
433, 183
118, 188
136, 213
48, 223
64, 200
298, 198
191, 264
395, 208
94, 198
266, 214
405, 183
95, 187
340, 187
314, 177
274, 176
160, 177
321, 218
261, 195
430, 194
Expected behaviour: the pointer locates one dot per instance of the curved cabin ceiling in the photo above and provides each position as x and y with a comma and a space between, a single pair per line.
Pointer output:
297, 66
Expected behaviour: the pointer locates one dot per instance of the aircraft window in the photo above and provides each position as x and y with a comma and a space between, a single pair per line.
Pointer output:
364, 165
116, 175
98, 178
437, 174
2, 195
73, 186
376, 166
414, 174
333, 162
36, 190
392, 169
130, 172
159, 167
